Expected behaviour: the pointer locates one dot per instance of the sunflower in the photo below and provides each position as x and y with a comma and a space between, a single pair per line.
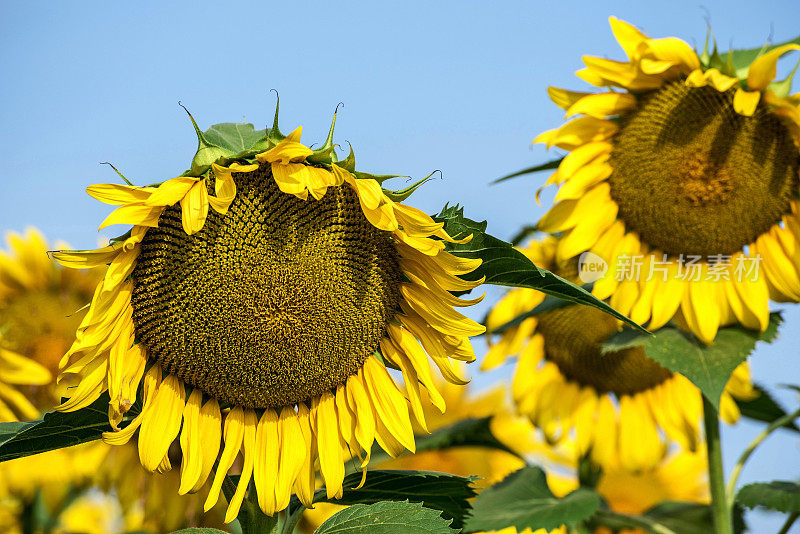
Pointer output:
685, 180
40, 308
621, 407
268, 321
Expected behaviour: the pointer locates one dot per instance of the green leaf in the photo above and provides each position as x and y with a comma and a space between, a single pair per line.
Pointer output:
506, 266
9, 430
742, 59
708, 366
777, 495
439, 491
523, 500
236, 137
550, 165
386, 517
763, 408
57, 430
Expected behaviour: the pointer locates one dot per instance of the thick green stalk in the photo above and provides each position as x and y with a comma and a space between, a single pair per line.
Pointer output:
719, 503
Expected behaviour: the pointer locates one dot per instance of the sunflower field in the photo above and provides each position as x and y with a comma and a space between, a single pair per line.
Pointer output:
397, 320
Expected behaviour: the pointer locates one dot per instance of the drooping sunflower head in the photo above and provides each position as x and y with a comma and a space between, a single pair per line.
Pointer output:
619, 406
683, 176
269, 287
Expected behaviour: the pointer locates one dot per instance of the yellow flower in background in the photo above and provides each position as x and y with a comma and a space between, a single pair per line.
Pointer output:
689, 172
266, 321
680, 477
621, 407
17, 370
37, 298
40, 308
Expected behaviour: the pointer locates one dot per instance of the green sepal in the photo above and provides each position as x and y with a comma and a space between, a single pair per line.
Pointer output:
380, 178
348, 163
783, 88
715, 60
326, 153
207, 152
118, 173
402, 194
274, 135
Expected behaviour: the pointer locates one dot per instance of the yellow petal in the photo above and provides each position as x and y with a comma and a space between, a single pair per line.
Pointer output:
438, 314
568, 213
118, 194
700, 310
603, 105
304, 483
286, 151
171, 191
194, 208
162, 423
249, 446
578, 132
210, 427
764, 68
564, 98
674, 51
331, 460
628, 36
191, 443
712, 77
292, 457
745, 102
267, 460
233, 436
138, 214
389, 403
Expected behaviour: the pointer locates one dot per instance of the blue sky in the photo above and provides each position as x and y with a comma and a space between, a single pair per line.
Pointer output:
455, 86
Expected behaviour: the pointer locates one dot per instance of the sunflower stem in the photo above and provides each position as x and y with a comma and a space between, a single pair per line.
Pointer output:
737, 469
719, 503
789, 522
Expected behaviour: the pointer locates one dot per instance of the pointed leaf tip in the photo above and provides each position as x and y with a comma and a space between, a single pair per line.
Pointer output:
207, 152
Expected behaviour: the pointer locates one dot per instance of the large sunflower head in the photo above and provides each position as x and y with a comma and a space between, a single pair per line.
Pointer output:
683, 176
260, 297
621, 407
